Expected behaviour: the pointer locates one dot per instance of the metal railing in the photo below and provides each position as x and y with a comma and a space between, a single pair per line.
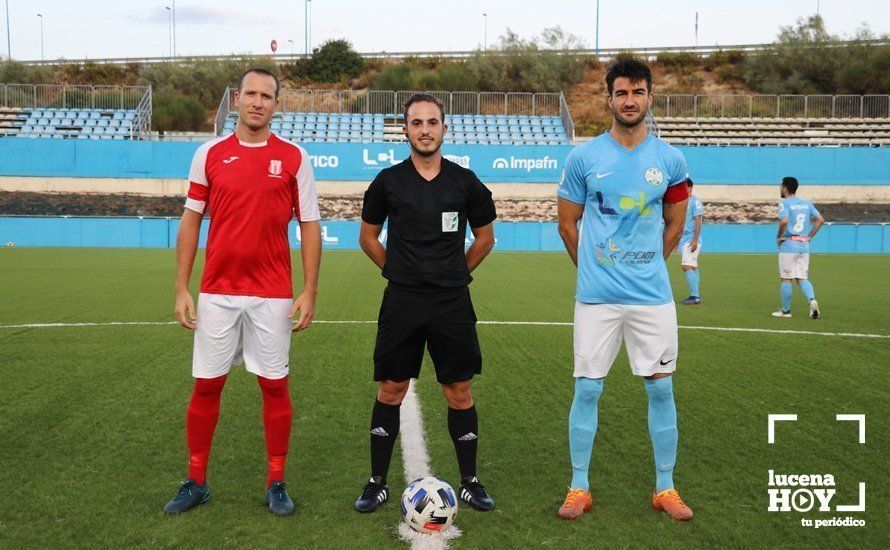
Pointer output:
390, 102
804, 107
603, 54
222, 112
142, 124
69, 96
566, 118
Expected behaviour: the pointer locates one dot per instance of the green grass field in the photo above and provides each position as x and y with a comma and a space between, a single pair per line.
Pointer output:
92, 418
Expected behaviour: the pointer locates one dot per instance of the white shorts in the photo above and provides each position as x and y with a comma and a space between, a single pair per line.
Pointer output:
689, 257
236, 329
649, 333
794, 265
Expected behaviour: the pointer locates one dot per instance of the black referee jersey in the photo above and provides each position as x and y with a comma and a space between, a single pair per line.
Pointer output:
425, 245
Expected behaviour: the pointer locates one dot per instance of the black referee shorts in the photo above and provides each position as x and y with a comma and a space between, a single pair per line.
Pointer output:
443, 319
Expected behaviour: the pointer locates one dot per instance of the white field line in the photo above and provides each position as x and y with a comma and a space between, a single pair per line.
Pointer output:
416, 463
493, 323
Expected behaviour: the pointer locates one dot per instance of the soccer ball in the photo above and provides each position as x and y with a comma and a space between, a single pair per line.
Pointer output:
429, 505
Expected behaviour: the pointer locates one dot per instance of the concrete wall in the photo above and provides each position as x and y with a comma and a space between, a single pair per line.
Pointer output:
343, 235
358, 162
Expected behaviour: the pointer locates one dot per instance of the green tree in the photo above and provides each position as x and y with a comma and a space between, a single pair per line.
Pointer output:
332, 62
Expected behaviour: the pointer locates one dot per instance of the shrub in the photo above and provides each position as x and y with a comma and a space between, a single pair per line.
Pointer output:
177, 112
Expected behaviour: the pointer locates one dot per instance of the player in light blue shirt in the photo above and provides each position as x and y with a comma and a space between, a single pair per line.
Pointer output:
799, 221
621, 204
690, 246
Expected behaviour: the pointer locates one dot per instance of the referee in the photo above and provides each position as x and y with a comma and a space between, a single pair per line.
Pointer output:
429, 201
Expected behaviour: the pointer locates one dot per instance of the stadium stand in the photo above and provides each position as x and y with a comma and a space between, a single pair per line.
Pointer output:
74, 112
774, 120
475, 118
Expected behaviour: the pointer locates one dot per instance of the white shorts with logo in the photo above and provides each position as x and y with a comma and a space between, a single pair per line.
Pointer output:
687, 256
235, 329
794, 265
649, 333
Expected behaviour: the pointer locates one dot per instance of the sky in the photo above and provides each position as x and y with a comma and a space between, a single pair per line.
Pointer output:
77, 29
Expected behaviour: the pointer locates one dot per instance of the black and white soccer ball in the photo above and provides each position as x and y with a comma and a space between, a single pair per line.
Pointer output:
429, 505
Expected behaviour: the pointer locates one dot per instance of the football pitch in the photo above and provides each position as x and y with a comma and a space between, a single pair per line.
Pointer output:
92, 417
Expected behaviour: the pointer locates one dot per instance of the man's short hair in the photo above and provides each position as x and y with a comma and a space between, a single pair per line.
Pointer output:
632, 69
417, 98
790, 184
263, 72
689, 182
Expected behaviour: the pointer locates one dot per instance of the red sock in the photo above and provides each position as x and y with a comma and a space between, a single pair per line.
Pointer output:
200, 421
277, 418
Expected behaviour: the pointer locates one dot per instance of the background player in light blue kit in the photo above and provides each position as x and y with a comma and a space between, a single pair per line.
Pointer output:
799, 221
690, 246
627, 189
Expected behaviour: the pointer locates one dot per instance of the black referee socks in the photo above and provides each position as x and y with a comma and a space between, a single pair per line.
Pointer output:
463, 425
384, 430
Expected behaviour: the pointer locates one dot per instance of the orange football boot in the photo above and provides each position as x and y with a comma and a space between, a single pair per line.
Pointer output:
669, 500
577, 502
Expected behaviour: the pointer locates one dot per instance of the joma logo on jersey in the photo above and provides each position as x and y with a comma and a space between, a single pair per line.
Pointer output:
626, 204
274, 168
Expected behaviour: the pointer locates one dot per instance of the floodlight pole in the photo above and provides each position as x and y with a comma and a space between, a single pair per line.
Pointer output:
696, 29
291, 48
169, 31
306, 24
41, 35
596, 41
485, 33
8, 35
174, 28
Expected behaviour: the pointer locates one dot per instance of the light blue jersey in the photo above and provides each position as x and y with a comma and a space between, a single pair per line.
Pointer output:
620, 246
800, 214
693, 209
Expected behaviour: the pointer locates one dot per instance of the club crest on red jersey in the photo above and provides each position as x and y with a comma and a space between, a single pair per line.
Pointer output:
275, 168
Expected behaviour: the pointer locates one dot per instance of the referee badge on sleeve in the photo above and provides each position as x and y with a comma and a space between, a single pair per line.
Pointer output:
449, 222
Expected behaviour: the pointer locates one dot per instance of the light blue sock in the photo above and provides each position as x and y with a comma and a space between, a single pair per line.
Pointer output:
663, 430
787, 290
692, 279
807, 288
582, 428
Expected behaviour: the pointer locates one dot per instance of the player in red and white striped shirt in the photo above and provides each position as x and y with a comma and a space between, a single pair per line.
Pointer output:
251, 183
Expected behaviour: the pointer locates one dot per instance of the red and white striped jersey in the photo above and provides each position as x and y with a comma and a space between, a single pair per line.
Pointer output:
251, 192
